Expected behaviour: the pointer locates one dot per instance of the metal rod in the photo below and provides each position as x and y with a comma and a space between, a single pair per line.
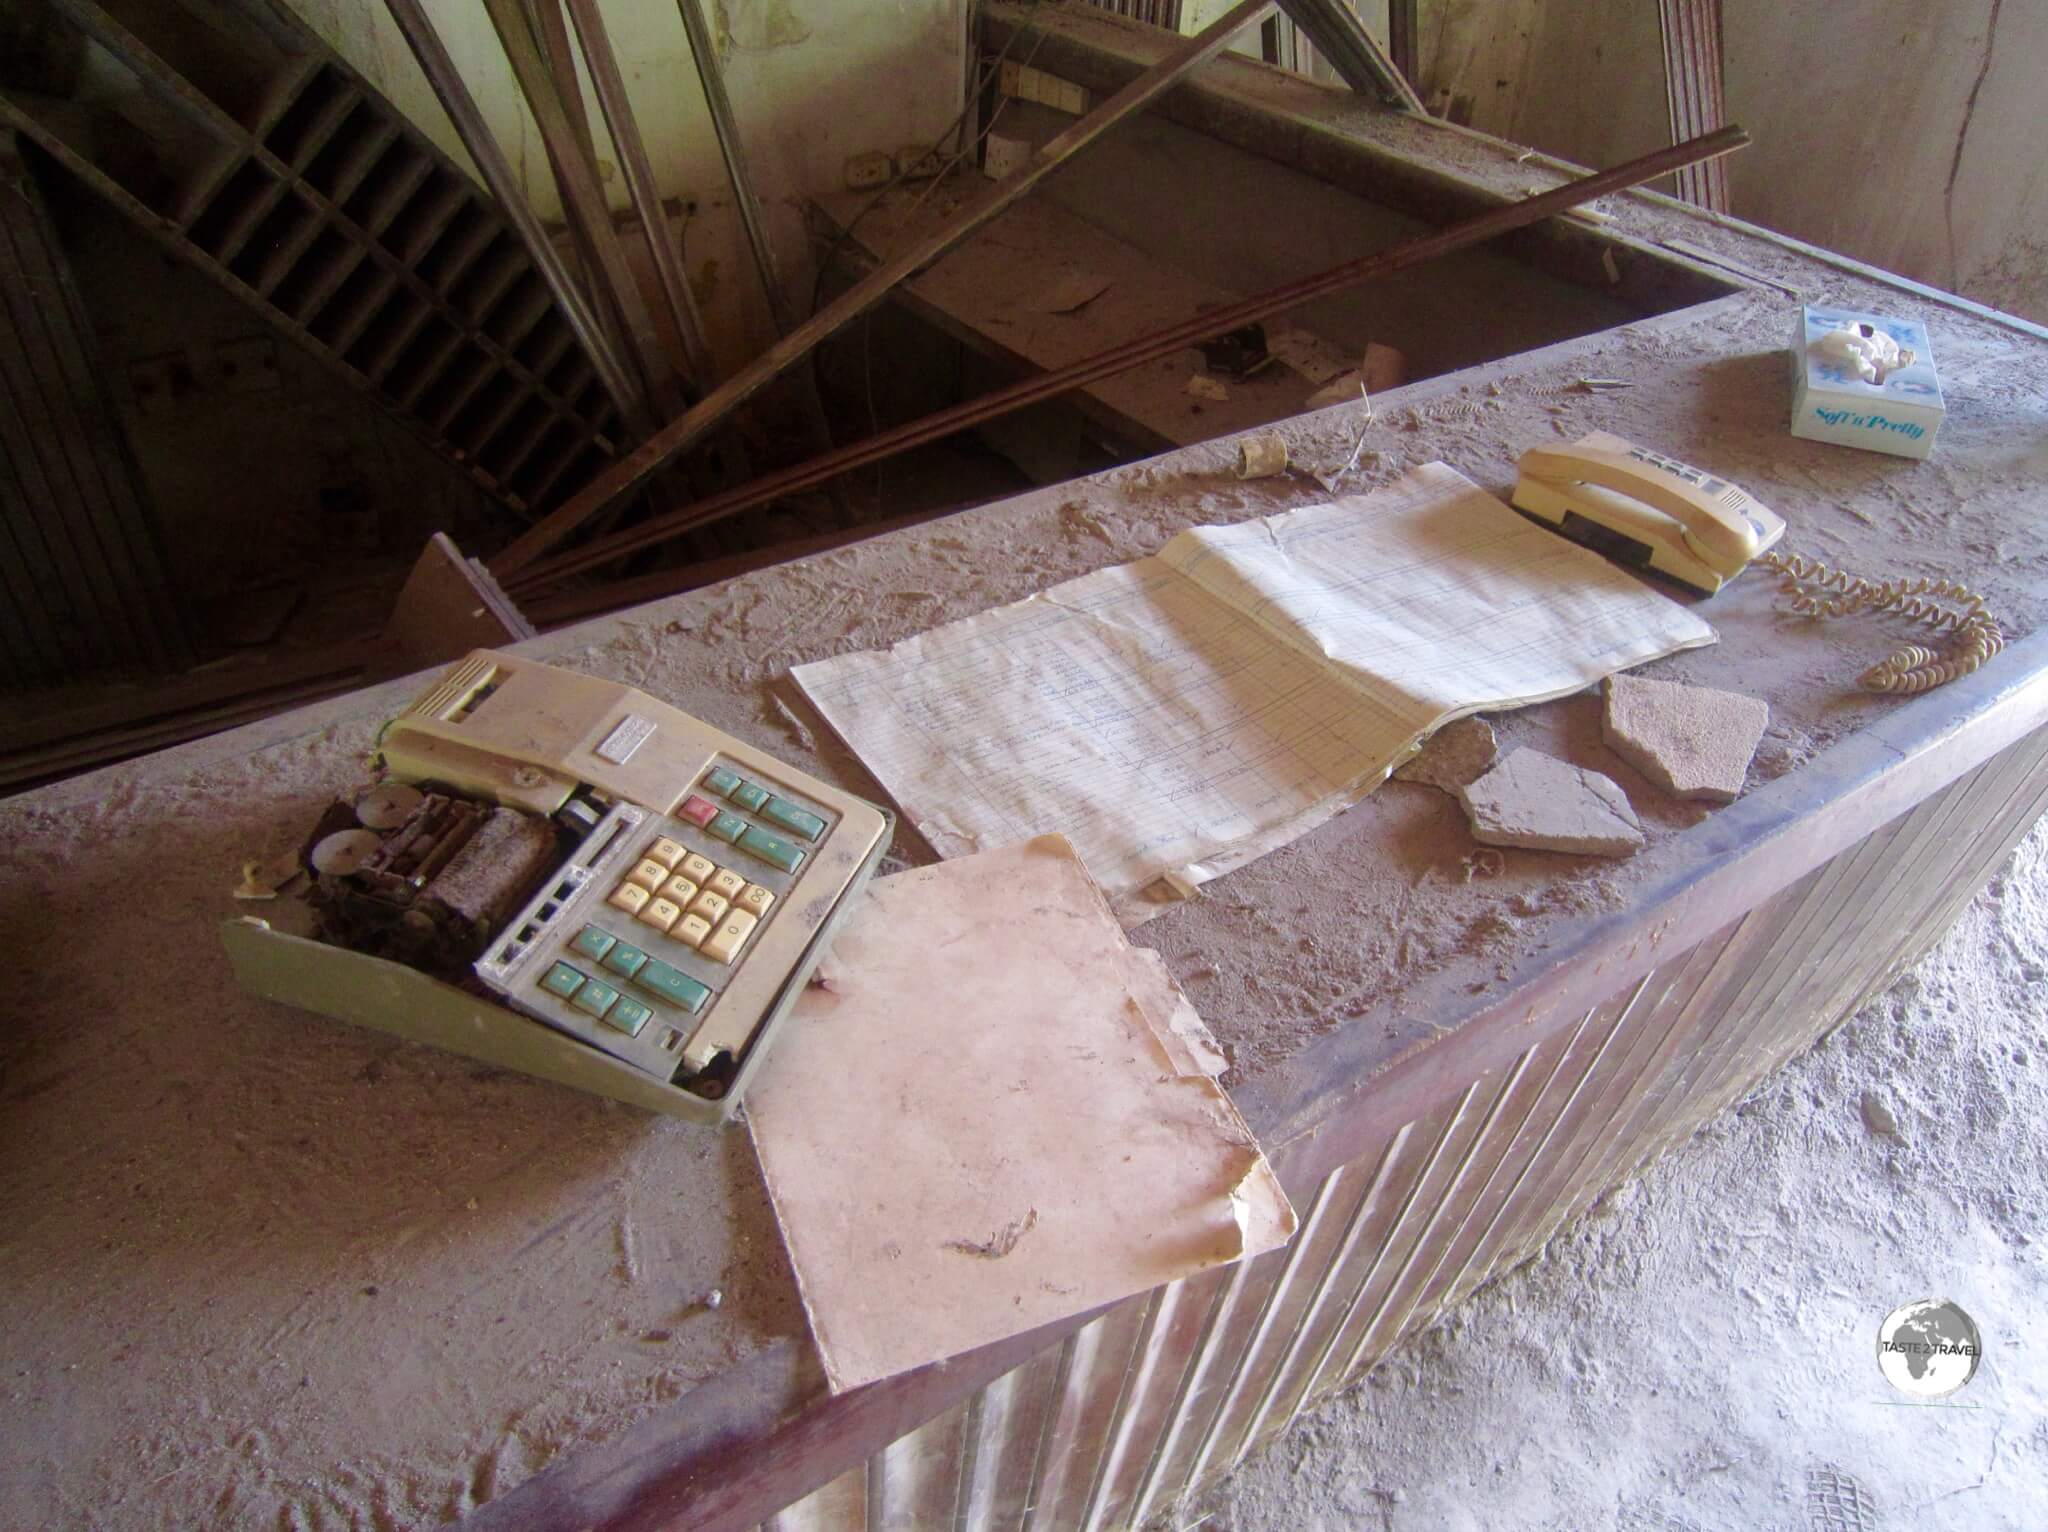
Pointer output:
697, 423
1404, 40
610, 88
1135, 353
553, 31
1352, 51
483, 149
583, 199
704, 52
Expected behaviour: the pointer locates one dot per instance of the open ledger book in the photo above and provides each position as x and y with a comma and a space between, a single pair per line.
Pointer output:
1182, 714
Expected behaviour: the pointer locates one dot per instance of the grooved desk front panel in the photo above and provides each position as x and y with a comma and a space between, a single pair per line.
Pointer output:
1118, 1423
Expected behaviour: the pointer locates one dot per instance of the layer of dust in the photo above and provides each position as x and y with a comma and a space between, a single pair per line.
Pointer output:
1701, 1353
261, 1267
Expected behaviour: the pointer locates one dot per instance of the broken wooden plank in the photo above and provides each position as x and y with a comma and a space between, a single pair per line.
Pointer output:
448, 607
498, 175
695, 424
1353, 52
583, 198
610, 87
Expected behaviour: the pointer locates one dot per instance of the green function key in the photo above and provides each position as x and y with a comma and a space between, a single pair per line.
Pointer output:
593, 943
719, 782
561, 980
657, 978
624, 959
772, 849
629, 1016
799, 821
727, 826
595, 996
749, 796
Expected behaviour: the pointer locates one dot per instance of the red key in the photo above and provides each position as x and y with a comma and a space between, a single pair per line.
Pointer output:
699, 811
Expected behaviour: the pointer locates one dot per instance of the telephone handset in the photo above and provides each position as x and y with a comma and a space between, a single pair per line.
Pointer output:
1642, 508
1653, 512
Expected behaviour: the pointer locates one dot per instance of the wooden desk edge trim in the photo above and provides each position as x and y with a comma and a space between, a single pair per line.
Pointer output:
746, 1444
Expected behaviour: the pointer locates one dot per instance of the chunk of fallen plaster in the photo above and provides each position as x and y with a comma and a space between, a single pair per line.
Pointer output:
1692, 741
1458, 753
1540, 803
1878, 1119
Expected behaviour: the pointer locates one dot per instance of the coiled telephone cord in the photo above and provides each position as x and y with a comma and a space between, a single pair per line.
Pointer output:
1814, 589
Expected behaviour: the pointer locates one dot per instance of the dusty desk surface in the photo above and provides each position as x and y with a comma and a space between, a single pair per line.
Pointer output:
265, 1268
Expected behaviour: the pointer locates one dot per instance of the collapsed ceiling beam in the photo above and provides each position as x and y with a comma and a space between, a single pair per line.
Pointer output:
609, 86
498, 175
725, 126
1352, 51
690, 428
583, 199
1134, 353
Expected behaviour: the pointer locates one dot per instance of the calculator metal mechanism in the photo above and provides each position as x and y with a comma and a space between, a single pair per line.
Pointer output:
653, 963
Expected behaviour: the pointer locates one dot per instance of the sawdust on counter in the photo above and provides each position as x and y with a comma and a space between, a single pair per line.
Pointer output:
262, 1268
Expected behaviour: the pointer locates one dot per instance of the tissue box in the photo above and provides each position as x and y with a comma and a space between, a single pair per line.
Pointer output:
1833, 401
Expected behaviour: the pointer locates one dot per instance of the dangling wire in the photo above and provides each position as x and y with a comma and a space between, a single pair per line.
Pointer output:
1814, 589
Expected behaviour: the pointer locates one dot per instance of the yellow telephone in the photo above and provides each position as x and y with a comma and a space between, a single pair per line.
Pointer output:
1653, 512
1646, 510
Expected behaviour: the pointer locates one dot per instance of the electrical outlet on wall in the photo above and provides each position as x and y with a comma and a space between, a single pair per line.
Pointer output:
864, 171
1028, 84
240, 366
159, 383
918, 162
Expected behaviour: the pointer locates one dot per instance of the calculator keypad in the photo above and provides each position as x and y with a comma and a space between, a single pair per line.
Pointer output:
647, 951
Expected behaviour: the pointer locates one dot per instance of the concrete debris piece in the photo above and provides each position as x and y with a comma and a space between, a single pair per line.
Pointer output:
1878, 1120
1539, 803
1380, 369
1692, 741
1004, 156
1309, 354
1458, 753
1207, 388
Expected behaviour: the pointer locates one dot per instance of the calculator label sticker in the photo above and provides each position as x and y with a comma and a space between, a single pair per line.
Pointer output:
632, 732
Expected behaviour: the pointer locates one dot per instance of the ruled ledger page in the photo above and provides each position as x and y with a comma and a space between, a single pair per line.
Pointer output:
1182, 714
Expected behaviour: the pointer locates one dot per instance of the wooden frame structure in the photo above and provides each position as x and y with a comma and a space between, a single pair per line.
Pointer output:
695, 424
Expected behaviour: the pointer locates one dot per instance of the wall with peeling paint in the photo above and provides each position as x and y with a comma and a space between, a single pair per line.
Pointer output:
1904, 134
812, 82
1920, 151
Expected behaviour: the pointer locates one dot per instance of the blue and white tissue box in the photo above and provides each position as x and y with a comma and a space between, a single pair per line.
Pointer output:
1843, 390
